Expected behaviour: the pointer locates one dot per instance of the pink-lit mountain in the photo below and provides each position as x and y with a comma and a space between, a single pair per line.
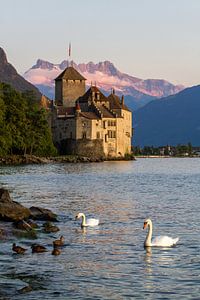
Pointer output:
106, 76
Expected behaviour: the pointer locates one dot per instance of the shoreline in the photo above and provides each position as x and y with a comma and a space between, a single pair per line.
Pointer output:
15, 160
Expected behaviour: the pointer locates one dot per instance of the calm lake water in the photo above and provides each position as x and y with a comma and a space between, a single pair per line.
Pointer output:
107, 262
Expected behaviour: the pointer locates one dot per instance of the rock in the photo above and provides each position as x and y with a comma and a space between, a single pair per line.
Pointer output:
11, 210
43, 214
25, 289
32, 224
23, 225
23, 159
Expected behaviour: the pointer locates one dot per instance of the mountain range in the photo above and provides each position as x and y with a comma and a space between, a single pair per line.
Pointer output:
8, 74
105, 75
170, 121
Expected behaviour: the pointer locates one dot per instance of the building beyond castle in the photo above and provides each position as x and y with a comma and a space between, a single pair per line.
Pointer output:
87, 122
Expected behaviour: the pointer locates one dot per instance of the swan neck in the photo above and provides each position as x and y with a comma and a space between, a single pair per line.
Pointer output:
149, 235
83, 220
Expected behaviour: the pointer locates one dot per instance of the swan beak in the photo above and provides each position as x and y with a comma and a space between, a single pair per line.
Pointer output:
145, 225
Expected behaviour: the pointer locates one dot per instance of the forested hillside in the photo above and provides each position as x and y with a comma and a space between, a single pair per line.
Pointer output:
23, 124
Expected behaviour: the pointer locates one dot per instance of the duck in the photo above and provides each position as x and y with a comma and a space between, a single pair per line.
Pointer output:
87, 223
36, 248
49, 227
55, 250
159, 241
59, 242
18, 249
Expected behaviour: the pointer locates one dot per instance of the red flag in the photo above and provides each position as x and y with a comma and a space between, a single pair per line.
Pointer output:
69, 49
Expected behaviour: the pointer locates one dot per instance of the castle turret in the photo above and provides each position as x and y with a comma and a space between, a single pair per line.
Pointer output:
69, 86
77, 108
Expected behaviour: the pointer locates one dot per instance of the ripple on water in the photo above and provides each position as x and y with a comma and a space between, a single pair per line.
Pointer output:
108, 262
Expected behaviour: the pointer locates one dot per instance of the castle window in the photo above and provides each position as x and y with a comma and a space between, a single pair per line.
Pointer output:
111, 123
84, 134
111, 134
98, 135
104, 124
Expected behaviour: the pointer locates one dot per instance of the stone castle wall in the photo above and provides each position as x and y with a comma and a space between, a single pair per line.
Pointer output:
58, 92
68, 91
82, 147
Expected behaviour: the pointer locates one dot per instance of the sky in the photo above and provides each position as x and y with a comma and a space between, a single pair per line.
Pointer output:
144, 38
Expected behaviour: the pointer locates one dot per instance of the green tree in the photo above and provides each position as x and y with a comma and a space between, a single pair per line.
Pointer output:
23, 124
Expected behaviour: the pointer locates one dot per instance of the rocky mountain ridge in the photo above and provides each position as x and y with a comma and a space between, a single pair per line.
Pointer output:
106, 76
8, 74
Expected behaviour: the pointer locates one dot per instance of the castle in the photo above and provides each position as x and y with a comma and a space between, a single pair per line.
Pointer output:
87, 122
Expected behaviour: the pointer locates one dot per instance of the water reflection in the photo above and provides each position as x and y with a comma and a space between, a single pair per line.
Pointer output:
148, 260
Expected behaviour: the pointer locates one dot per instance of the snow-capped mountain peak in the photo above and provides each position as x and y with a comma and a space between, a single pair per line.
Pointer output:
105, 75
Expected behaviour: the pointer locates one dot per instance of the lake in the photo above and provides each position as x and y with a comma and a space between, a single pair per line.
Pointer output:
109, 261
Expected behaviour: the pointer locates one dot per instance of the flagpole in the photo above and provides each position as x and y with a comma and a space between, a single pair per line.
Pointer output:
67, 52
70, 53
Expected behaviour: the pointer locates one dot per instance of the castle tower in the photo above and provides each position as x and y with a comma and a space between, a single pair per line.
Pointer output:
69, 86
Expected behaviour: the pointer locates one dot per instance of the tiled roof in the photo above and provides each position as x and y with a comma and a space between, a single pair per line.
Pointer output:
105, 112
115, 102
93, 91
61, 110
89, 115
71, 74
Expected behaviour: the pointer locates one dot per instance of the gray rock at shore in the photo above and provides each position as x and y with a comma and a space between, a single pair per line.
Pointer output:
11, 210
44, 214
15, 212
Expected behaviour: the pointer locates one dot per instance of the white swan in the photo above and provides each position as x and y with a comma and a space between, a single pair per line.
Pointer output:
88, 222
159, 241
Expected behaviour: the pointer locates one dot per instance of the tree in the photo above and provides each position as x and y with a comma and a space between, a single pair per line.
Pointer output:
23, 124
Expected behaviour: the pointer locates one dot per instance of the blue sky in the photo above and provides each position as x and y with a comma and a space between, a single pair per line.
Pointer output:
144, 38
